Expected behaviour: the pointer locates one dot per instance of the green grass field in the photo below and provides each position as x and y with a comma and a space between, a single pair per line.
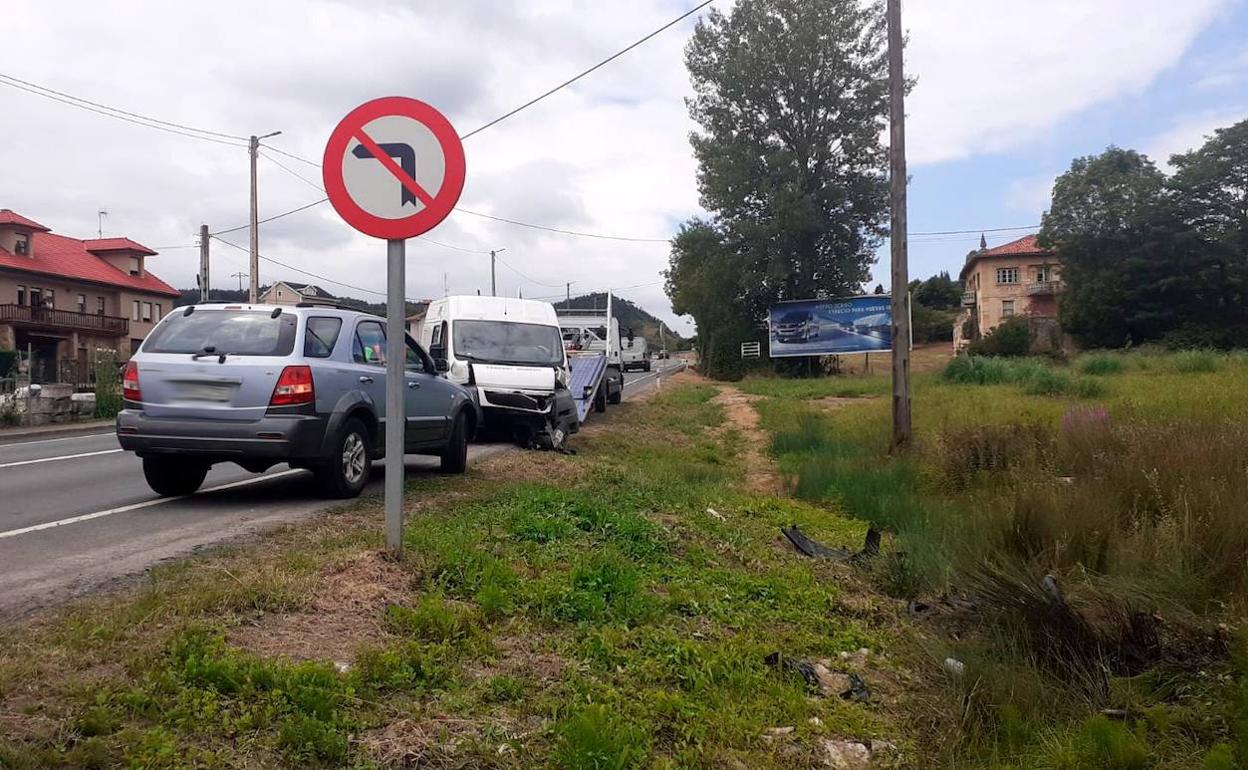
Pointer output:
1123, 480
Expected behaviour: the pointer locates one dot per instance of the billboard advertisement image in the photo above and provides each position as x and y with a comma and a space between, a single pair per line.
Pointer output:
827, 327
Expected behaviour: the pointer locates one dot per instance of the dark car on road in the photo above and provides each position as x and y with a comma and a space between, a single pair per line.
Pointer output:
260, 385
797, 326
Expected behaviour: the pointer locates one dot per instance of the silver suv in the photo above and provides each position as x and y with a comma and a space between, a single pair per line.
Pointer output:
260, 385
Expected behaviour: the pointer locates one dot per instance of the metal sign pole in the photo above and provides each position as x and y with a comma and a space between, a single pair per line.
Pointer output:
396, 411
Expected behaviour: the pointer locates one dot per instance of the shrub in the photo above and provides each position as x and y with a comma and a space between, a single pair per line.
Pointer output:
1011, 338
107, 386
977, 370
1102, 365
598, 738
1196, 362
433, 619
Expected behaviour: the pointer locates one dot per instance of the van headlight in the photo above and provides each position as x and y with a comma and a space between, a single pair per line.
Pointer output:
459, 371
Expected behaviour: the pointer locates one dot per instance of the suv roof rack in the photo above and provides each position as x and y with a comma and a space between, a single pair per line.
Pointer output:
331, 306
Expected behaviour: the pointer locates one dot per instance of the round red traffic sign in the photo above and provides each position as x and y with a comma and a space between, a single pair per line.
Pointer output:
394, 168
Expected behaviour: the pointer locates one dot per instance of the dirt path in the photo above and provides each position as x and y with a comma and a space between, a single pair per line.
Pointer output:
760, 474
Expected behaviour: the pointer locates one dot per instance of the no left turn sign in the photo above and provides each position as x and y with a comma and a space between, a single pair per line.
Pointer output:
394, 168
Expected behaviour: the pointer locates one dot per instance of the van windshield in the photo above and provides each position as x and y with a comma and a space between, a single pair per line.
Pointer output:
235, 333
505, 342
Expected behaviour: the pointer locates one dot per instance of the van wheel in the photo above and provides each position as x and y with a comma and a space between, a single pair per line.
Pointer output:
344, 472
173, 477
455, 456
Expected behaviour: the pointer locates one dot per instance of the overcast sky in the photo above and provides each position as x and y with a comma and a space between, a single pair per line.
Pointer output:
1008, 92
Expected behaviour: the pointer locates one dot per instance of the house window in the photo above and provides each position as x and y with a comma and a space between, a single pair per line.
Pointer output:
99, 306
135, 309
156, 312
49, 299
21, 246
134, 345
1007, 275
147, 311
1007, 308
36, 297
136, 266
82, 303
1044, 273
21, 295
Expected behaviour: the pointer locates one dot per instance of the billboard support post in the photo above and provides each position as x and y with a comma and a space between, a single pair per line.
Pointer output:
897, 225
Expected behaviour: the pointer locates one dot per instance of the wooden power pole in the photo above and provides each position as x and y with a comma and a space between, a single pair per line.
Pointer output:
897, 222
205, 294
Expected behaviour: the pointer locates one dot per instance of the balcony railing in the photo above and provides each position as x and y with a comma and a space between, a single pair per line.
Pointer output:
1044, 287
63, 319
968, 299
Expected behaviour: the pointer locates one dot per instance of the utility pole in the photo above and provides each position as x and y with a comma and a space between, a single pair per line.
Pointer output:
253, 149
493, 284
897, 223
567, 303
205, 295
240, 277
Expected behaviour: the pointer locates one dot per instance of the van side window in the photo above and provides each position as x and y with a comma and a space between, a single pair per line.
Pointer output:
370, 344
437, 343
320, 337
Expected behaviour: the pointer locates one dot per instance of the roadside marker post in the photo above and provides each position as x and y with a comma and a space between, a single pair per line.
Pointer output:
394, 168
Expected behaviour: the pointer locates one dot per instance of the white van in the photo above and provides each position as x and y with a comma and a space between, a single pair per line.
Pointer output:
635, 352
509, 354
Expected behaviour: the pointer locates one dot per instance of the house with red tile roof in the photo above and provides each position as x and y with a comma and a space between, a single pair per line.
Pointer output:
1013, 279
65, 298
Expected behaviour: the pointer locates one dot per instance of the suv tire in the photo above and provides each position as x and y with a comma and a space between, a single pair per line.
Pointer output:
455, 455
173, 477
344, 471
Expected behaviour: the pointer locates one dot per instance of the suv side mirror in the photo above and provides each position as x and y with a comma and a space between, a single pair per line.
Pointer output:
441, 364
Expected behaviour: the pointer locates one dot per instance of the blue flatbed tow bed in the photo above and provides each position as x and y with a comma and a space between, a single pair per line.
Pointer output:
587, 377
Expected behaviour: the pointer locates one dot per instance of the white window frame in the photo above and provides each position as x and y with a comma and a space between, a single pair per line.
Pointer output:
1004, 273
1007, 308
21, 296
147, 312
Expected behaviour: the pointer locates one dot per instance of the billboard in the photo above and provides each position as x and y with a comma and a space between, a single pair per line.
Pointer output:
827, 327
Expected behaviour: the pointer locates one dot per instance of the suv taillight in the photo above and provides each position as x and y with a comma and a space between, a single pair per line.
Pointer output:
130, 383
294, 387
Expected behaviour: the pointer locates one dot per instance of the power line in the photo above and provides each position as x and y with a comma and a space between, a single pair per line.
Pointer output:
305, 272
120, 114
270, 219
599, 65
977, 232
526, 277
291, 155
291, 171
562, 231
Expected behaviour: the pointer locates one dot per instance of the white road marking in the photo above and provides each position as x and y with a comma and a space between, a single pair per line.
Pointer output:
50, 440
137, 506
59, 457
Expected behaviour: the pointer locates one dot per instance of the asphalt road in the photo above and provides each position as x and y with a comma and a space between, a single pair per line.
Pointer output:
76, 513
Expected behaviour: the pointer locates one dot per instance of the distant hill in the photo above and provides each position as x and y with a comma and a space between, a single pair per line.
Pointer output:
642, 322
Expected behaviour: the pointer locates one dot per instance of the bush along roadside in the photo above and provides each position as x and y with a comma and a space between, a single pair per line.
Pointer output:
1088, 553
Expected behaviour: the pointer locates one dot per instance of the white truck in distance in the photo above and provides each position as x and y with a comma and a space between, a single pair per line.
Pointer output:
593, 335
509, 353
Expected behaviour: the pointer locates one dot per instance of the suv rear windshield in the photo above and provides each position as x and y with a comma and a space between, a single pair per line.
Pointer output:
233, 332
505, 342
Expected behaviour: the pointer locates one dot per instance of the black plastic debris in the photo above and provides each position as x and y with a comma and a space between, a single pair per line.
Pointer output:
858, 690
805, 668
816, 550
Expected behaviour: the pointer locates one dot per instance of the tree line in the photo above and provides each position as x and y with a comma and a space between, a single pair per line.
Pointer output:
1151, 257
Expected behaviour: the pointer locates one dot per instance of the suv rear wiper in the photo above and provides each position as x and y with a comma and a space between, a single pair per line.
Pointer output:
209, 350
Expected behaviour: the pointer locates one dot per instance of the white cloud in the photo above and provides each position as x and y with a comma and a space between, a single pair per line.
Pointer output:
1189, 132
610, 154
1031, 194
993, 75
